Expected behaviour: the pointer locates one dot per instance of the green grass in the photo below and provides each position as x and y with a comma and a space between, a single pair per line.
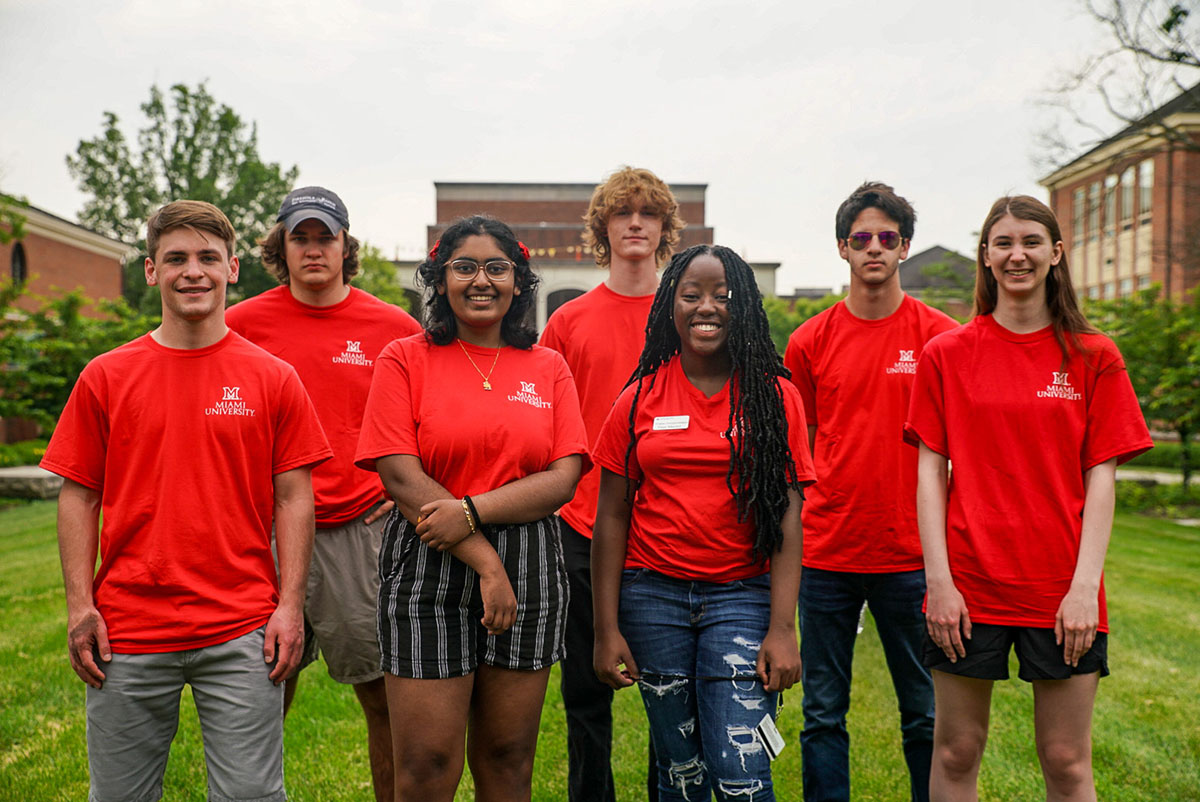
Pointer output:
1147, 733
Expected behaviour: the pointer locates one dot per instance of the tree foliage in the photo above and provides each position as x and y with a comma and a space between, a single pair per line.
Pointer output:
1160, 341
190, 146
950, 291
1150, 54
43, 352
784, 317
12, 222
379, 276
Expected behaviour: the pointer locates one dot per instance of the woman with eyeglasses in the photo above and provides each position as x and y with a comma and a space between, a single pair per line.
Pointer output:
1034, 409
696, 548
476, 433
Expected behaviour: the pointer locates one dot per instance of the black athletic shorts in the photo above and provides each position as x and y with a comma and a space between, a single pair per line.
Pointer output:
1039, 656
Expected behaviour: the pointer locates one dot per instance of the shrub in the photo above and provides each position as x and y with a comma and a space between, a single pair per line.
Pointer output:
27, 452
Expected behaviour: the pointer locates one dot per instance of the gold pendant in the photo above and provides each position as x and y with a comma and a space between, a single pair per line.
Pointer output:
487, 385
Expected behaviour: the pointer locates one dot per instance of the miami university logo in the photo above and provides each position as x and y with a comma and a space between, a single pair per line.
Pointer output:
353, 346
231, 394
527, 387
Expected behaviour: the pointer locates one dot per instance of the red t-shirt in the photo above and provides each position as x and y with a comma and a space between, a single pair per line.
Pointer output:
183, 446
427, 400
601, 335
855, 377
684, 521
1020, 430
332, 349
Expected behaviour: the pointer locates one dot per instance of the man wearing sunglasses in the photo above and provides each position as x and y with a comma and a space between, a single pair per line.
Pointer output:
331, 333
854, 365
631, 225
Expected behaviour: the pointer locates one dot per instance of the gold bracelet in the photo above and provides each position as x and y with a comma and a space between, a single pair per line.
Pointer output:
467, 512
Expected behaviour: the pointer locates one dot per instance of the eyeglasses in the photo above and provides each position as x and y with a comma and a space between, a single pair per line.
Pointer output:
468, 269
889, 240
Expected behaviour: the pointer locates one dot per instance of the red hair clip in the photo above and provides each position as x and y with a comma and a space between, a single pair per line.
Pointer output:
433, 250
524, 250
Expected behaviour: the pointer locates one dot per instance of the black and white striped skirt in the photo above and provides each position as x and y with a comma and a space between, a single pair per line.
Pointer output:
430, 607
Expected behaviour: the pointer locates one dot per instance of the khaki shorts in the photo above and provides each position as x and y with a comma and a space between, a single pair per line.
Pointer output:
343, 597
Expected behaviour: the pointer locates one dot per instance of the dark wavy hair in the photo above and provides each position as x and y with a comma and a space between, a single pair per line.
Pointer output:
761, 466
1066, 318
441, 327
877, 195
272, 250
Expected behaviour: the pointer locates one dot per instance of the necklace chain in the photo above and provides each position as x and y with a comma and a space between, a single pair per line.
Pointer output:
487, 385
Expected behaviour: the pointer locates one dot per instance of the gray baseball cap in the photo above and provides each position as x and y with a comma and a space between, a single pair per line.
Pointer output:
314, 203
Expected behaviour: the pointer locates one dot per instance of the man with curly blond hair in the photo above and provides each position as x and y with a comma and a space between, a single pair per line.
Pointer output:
632, 224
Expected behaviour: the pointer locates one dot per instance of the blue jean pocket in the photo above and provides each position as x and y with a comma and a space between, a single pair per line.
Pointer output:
630, 576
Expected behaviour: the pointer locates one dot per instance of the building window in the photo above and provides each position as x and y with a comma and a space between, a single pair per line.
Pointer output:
1094, 211
1110, 205
1126, 287
1127, 199
20, 268
1145, 188
559, 297
1077, 216
1143, 282
1109, 290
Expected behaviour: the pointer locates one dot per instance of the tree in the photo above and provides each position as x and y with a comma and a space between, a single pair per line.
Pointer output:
379, 277
12, 222
784, 317
43, 352
1149, 56
950, 291
190, 147
1159, 338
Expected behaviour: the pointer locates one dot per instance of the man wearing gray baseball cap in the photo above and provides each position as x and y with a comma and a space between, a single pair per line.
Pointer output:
331, 333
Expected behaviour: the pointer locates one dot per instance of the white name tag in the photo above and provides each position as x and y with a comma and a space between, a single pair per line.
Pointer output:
769, 737
669, 422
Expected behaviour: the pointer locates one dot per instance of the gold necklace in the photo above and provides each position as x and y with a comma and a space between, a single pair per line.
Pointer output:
487, 385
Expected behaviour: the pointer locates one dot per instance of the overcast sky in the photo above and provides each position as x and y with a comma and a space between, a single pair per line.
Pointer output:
781, 108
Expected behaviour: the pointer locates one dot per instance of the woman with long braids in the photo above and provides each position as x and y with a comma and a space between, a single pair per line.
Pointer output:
476, 433
1034, 409
696, 549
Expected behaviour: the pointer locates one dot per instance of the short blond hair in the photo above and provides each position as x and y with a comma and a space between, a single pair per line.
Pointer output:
624, 190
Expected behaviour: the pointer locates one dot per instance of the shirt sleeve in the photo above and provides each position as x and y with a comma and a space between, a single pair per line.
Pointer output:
79, 445
550, 337
299, 439
389, 419
1116, 426
927, 408
798, 436
796, 358
570, 436
613, 442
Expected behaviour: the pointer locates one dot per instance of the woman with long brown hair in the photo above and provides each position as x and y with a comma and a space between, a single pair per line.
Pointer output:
1034, 409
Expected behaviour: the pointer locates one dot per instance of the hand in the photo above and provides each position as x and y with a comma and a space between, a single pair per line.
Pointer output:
1075, 623
380, 511
442, 524
947, 620
499, 603
87, 635
283, 642
778, 663
612, 661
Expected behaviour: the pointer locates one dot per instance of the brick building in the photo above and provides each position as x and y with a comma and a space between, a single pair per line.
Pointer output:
1130, 207
56, 256
548, 218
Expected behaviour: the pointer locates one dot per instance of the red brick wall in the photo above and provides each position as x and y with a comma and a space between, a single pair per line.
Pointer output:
55, 268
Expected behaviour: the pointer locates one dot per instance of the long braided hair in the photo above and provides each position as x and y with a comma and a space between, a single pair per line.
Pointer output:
761, 467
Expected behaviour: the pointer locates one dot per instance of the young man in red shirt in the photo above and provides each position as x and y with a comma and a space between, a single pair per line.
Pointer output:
854, 365
188, 441
632, 224
331, 333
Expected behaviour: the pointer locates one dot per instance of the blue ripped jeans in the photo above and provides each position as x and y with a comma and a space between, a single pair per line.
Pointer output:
702, 729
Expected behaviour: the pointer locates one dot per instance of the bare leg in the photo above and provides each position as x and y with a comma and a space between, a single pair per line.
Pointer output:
1062, 715
959, 735
505, 716
373, 698
428, 723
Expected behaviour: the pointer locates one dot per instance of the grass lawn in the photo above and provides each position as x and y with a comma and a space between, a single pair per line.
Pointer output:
1147, 730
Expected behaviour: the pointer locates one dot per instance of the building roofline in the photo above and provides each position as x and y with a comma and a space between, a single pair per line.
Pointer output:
39, 221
